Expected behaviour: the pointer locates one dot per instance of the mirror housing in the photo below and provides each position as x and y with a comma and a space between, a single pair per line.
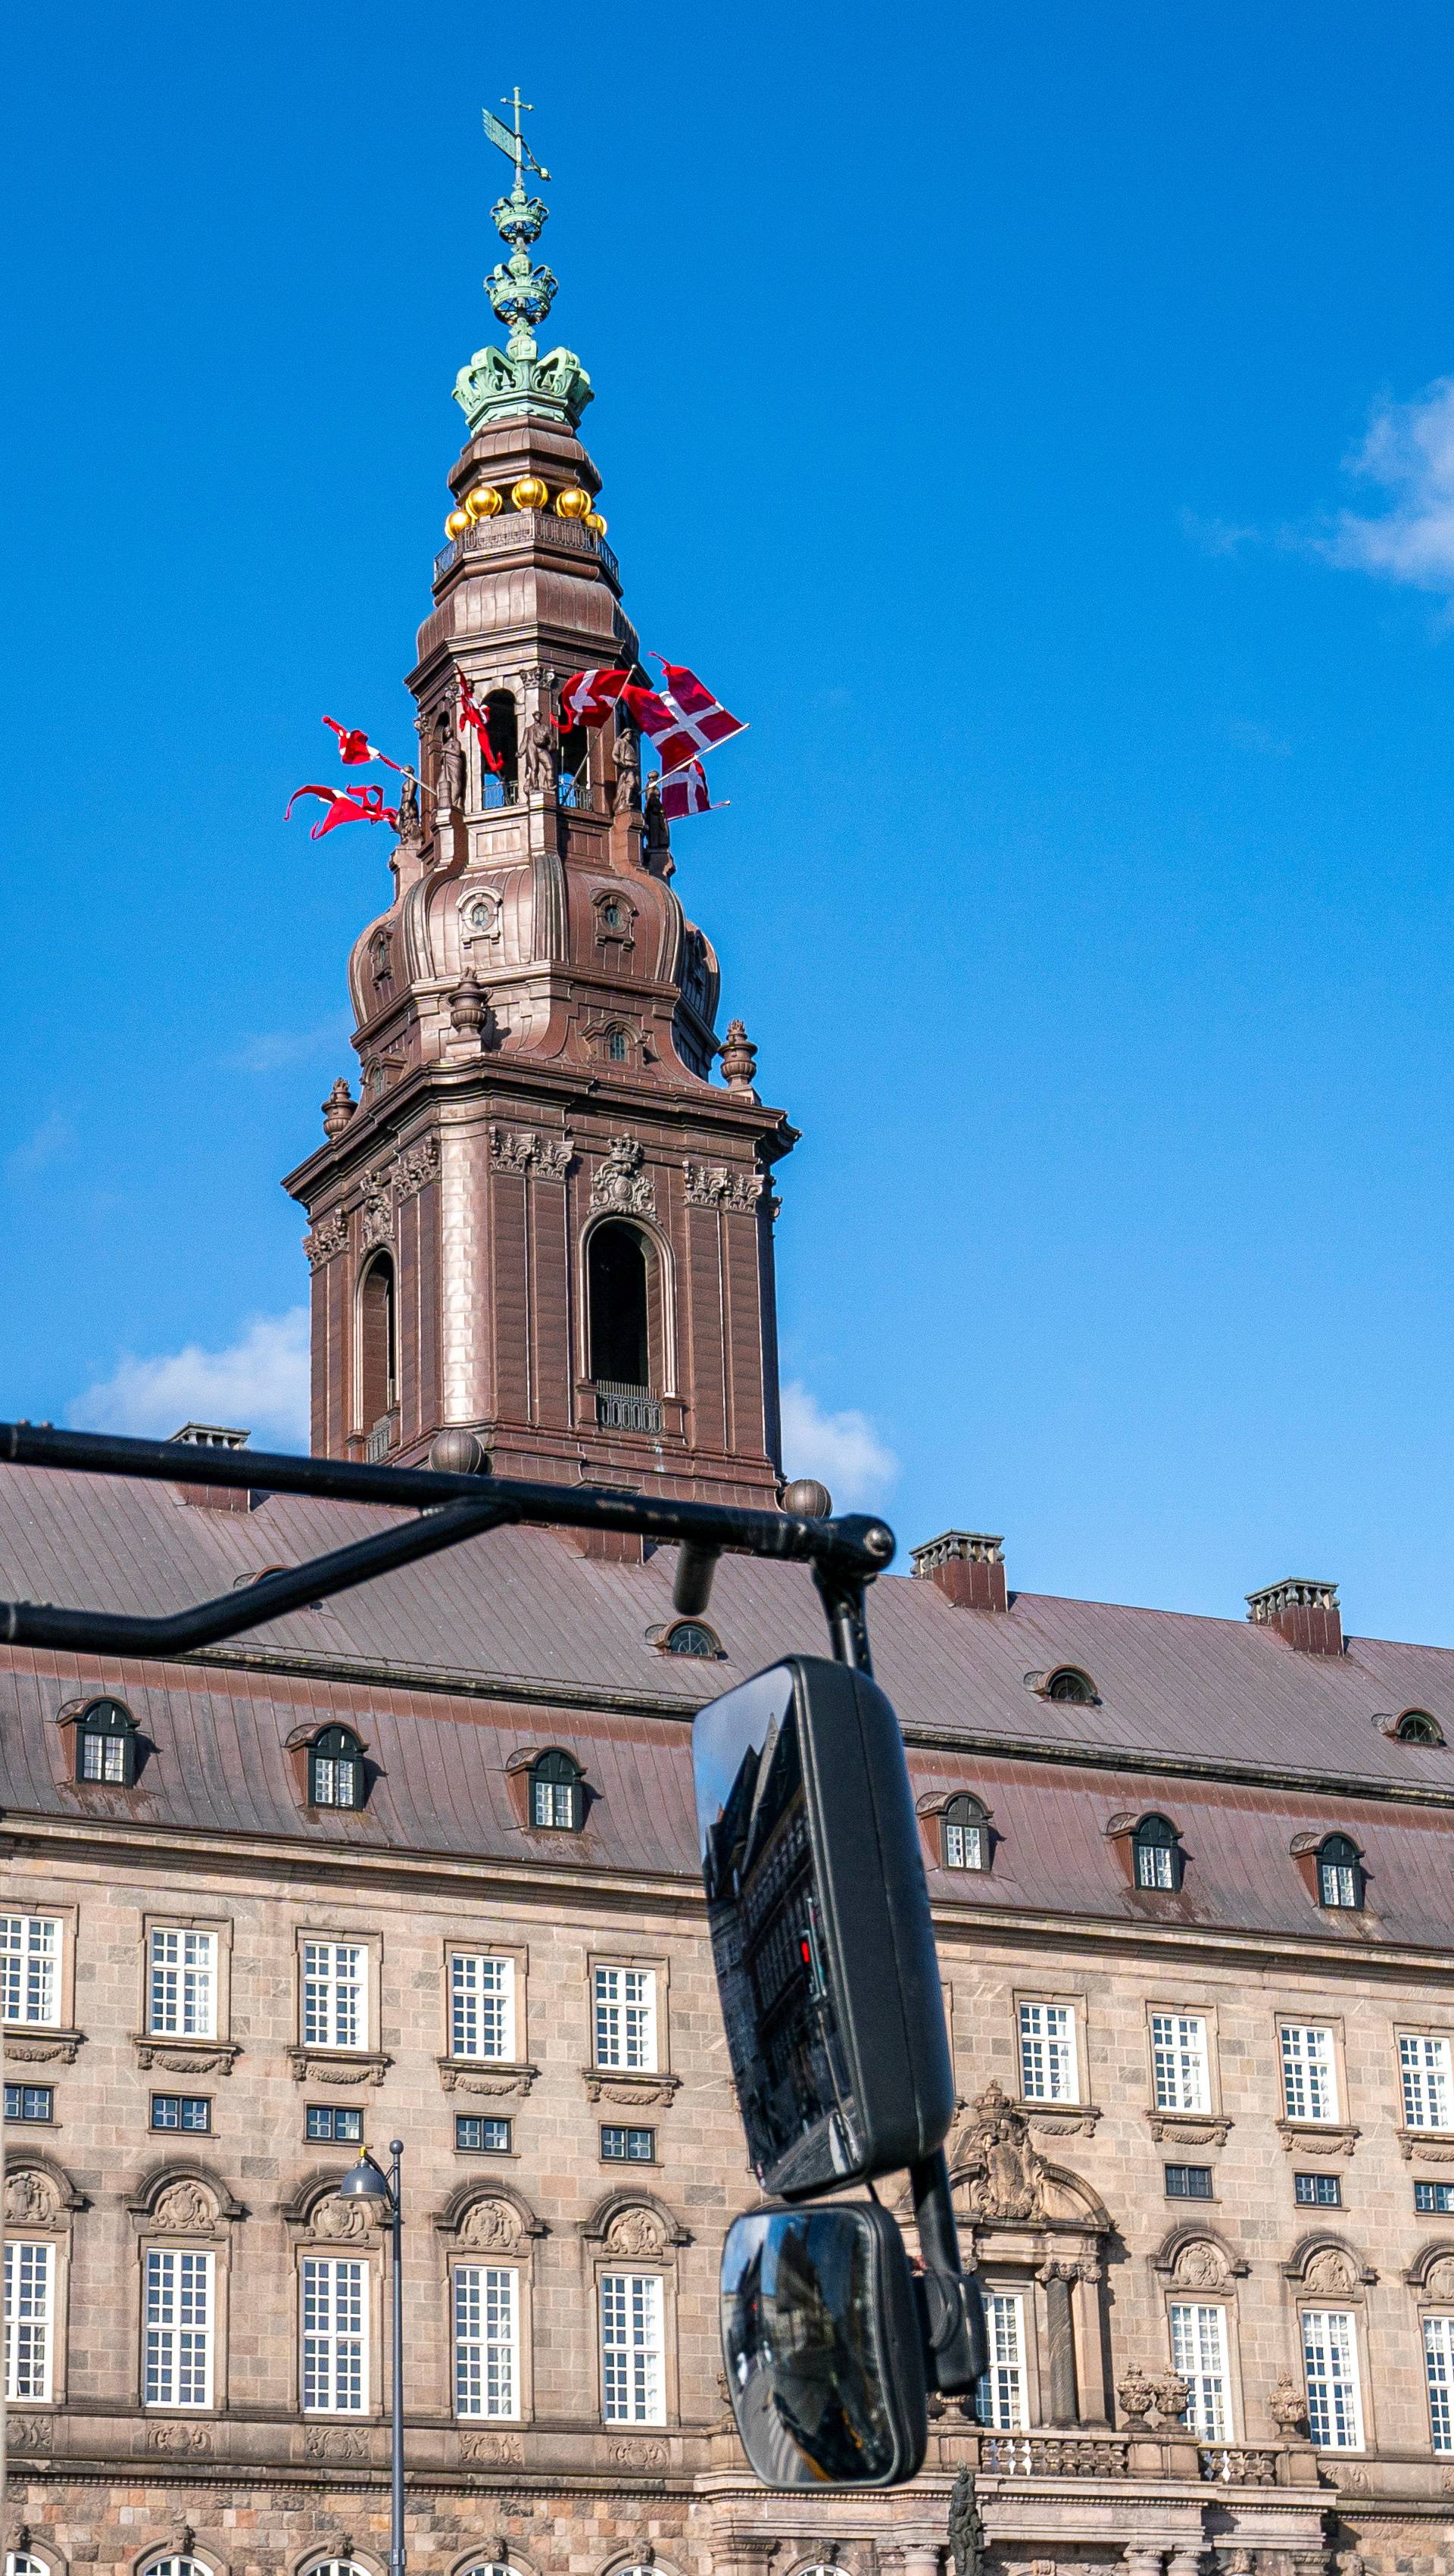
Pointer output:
822, 2342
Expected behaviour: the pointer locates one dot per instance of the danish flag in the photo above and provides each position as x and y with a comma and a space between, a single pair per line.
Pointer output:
360, 804
686, 792
684, 719
471, 713
354, 747
590, 696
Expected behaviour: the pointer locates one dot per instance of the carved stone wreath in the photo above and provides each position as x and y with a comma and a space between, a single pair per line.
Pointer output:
317, 2066
622, 2086
186, 2057
497, 2083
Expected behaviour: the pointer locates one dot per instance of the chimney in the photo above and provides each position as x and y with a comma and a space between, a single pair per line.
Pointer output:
1306, 1614
968, 1568
216, 1498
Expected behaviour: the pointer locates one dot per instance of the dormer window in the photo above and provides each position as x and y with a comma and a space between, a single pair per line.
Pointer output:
1156, 1853
106, 1744
557, 1793
1416, 1726
1340, 1872
691, 1637
1072, 1685
335, 1769
616, 1046
964, 1841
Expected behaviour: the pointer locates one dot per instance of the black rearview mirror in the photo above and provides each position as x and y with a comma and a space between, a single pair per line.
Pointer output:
823, 2347
820, 1925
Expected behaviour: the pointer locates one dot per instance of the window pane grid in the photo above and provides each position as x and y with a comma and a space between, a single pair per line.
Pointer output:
103, 1757
1330, 2368
1047, 2053
1439, 2372
178, 2340
1000, 2395
1309, 2072
482, 2006
1179, 2062
29, 2280
963, 1845
631, 2361
335, 2000
30, 1963
626, 2018
1155, 1866
1199, 2353
183, 1985
1424, 2066
335, 2337
486, 2340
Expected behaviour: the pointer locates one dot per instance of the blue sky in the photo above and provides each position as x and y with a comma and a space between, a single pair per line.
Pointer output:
1044, 434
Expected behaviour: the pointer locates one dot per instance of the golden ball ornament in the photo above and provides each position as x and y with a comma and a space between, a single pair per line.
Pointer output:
572, 503
456, 524
484, 502
529, 493
595, 523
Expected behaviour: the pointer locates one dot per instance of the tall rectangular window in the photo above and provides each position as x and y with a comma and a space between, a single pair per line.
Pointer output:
1439, 2373
1180, 2075
999, 2399
178, 2348
486, 2340
29, 2300
481, 2005
626, 2018
1424, 2065
335, 1994
633, 2381
335, 2371
1309, 2072
30, 1968
182, 1985
1330, 2370
1199, 2352
1048, 2071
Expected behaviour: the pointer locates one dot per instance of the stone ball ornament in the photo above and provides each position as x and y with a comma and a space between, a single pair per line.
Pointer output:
484, 502
458, 1452
456, 524
572, 503
806, 1499
529, 493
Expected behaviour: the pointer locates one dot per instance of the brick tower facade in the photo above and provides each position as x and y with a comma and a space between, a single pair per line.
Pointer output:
543, 1222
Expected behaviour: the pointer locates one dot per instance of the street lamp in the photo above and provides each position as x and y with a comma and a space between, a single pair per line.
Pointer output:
367, 2181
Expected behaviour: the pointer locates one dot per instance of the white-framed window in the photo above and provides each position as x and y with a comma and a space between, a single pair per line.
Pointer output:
1439, 2375
181, 1990
633, 2380
335, 2336
1180, 2071
30, 1968
487, 2340
1330, 2371
1048, 2071
625, 2018
1199, 2353
335, 1994
1309, 2072
481, 2005
30, 2271
178, 2330
1424, 2066
1000, 2395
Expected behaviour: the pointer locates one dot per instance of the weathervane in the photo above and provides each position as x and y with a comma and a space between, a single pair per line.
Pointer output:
515, 381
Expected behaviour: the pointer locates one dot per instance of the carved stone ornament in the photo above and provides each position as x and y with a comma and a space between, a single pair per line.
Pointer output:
1288, 2407
496, 2083
342, 2222
637, 2231
643, 2453
625, 2087
179, 2441
336, 2442
1152, 2397
186, 2056
966, 2527
1188, 2129
514, 1149
30, 2432
619, 1182
317, 2066
31, 2198
1439, 2279
378, 1205
1329, 2271
58, 2047
739, 1060
479, 914
185, 2209
493, 2450
714, 1185
1200, 2266
418, 1166
338, 1108
328, 1238
1413, 2142
1005, 2173
491, 2226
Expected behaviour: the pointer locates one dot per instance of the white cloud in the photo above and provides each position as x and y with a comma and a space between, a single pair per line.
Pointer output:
272, 1049
51, 1139
842, 1449
1409, 451
1216, 536
259, 1384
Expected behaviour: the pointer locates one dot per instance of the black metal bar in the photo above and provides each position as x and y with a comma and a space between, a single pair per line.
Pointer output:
953, 2302
842, 1597
117, 1632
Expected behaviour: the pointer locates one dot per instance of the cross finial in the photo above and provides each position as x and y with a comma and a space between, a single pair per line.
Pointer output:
510, 140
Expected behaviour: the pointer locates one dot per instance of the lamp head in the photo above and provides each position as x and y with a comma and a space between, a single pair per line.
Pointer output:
365, 2181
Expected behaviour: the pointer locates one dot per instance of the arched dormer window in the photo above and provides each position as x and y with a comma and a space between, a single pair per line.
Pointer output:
378, 1342
1072, 1685
106, 1743
557, 1793
335, 1769
964, 1840
1340, 1872
1156, 1853
1416, 1726
691, 1637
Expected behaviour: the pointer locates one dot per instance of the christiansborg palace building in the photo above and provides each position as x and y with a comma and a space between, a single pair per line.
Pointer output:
421, 1862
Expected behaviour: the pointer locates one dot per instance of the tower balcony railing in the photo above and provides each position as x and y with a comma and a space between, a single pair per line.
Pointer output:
620, 1407
495, 792
517, 528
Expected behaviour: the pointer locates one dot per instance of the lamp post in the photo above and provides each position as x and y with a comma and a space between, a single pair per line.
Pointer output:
368, 2181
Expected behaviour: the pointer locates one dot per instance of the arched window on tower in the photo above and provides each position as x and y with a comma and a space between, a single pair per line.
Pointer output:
618, 1304
378, 1343
575, 767
501, 786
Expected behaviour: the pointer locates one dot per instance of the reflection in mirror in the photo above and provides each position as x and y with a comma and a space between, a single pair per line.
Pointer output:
821, 2339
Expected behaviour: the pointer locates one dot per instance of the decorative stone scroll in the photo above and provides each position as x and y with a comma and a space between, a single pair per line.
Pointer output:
179, 2441
336, 2442
619, 1182
47, 2048
318, 2066
186, 2056
622, 2086
715, 1185
515, 1149
185, 2208
32, 2199
492, 2450
329, 1237
496, 2082
418, 1165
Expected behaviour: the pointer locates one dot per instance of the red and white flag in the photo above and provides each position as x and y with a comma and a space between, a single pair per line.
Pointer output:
698, 706
589, 697
679, 733
360, 804
471, 714
354, 747
686, 792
